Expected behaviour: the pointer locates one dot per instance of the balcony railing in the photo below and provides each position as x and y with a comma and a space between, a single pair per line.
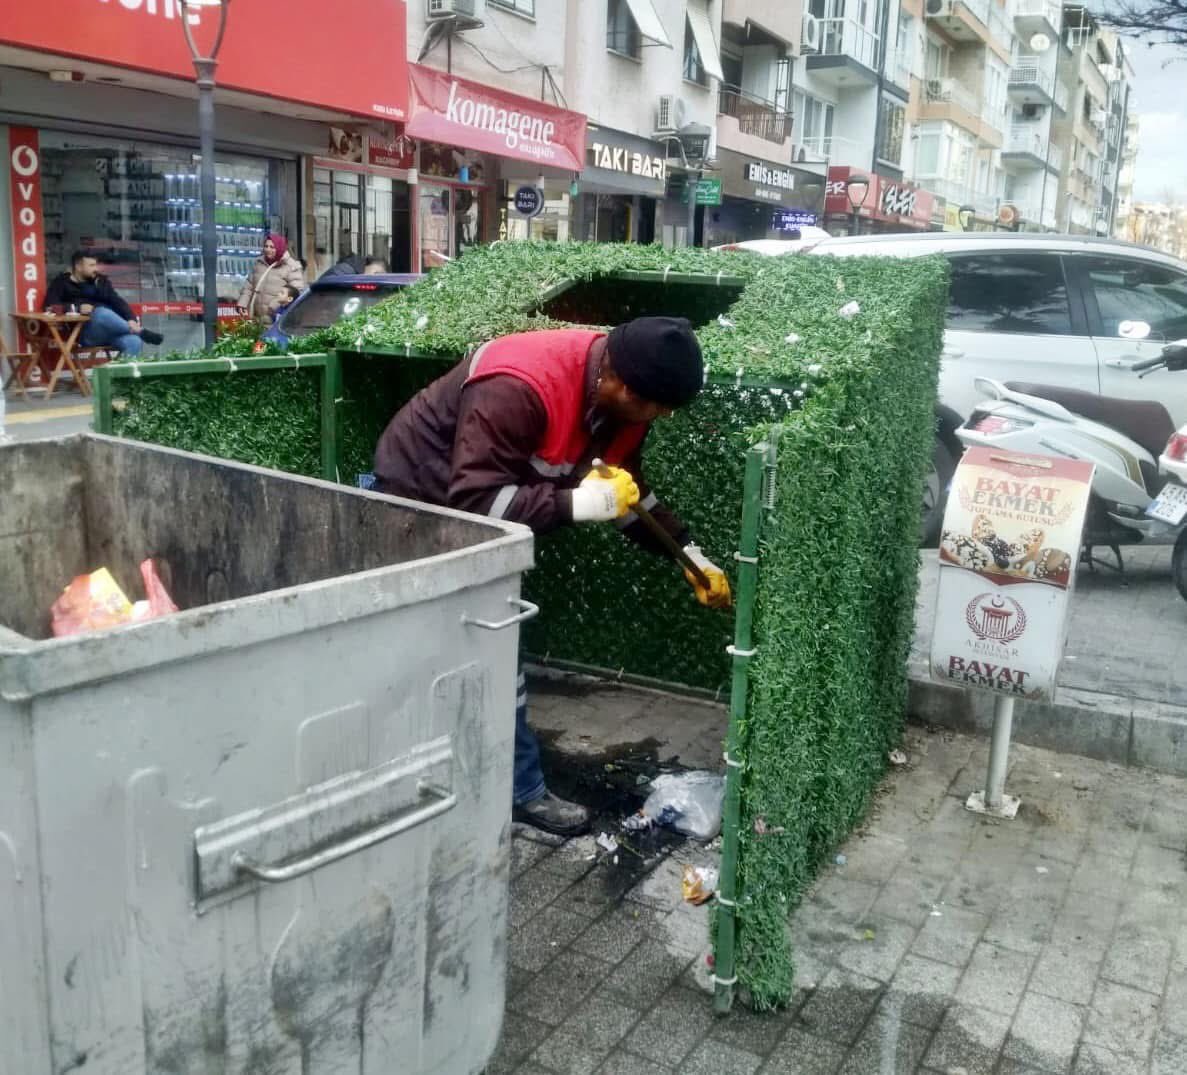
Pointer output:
754, 115
1043, 9
1031, 74
847, 37
836, 149
980, 8
956, 193
950, 91
899, 67
1036, 145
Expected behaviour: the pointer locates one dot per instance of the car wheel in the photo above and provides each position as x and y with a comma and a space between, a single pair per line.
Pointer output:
935, 492
1179, 565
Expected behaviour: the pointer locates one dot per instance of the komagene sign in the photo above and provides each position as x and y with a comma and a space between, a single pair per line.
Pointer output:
267, 50
444, 108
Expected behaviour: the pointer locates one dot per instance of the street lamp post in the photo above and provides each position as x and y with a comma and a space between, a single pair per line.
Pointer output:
857, 187
204, 66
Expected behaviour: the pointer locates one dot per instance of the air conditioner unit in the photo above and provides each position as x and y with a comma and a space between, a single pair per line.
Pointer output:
452, 9
937, 9
939, 89
671, 113
810, 34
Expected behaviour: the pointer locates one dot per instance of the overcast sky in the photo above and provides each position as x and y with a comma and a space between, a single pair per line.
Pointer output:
1161, 102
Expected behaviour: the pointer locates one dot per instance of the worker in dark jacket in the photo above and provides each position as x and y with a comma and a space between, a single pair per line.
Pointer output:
112, 323
512, 433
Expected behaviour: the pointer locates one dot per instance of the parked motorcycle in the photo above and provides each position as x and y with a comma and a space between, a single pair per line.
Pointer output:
1131, 501
1171, 502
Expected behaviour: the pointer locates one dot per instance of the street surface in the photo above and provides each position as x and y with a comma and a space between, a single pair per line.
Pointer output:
946, 942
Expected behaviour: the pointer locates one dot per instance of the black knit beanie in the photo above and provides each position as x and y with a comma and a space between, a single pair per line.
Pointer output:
659, 359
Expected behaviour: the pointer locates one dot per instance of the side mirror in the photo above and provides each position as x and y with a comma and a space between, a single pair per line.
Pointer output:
1175, 355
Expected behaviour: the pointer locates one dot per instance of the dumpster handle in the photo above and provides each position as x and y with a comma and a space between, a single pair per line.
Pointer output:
528, 611
441, 800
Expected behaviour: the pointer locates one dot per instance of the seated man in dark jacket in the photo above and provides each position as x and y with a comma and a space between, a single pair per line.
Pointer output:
112, 323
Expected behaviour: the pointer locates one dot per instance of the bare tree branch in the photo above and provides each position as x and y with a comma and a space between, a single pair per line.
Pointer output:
1160, 21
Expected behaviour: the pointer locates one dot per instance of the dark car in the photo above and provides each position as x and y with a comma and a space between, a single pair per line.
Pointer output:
332, 298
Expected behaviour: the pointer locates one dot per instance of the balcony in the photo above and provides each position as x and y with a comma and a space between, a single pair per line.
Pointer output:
898, 69
957, 193
947, 100
970, 21
1030, 84
755, 117
848, 54
1024, 150
836, 150
1037, 17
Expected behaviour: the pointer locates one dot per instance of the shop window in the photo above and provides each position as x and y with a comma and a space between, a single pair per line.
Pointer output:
609, 300
622, 32
520, 7
694, 67
134, 206
894, 120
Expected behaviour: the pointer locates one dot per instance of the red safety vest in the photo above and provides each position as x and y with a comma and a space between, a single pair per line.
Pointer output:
553, 363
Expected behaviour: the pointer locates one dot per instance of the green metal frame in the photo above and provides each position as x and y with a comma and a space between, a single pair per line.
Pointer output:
758, 462
330, 388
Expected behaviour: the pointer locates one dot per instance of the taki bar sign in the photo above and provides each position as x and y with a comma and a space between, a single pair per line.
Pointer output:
283, 51
1008, 556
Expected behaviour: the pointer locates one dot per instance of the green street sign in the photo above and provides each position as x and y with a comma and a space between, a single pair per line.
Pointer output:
708, 192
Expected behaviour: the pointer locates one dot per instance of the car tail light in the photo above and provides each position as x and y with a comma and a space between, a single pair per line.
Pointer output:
365, 287
995, 425
1176, 447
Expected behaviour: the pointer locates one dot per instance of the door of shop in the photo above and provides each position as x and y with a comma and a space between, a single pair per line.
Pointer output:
450, 222
360, 213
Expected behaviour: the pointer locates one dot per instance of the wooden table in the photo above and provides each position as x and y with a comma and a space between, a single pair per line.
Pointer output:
45, 332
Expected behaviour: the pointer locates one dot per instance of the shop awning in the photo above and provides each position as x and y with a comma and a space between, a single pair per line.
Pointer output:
643, 12
458, 112
265, 52
702, 34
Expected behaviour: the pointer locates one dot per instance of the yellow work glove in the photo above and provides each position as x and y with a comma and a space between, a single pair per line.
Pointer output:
717, 593
604, 496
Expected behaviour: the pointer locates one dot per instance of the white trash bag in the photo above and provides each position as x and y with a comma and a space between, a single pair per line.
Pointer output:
688, 802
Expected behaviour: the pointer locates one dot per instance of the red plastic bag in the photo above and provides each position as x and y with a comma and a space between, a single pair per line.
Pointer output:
95, 602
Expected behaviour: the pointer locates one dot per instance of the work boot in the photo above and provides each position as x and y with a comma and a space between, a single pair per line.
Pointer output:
553, 814
150, 336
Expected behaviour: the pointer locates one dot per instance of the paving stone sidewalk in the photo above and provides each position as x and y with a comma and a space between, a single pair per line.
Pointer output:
946, 942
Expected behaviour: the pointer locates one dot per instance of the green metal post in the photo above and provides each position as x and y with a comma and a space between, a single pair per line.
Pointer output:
331, 397
724, 965
101, 418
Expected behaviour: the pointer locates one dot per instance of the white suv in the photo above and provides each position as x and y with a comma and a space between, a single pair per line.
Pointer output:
1044, 309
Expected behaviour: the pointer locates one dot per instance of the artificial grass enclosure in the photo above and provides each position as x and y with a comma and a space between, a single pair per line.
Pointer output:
849, 402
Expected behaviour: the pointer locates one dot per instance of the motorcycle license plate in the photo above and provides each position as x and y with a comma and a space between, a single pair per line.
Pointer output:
1170, 506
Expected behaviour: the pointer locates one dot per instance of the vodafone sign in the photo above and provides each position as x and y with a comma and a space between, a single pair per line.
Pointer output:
296, 51
28, 230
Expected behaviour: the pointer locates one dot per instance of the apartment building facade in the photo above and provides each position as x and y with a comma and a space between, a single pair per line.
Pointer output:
1093, 130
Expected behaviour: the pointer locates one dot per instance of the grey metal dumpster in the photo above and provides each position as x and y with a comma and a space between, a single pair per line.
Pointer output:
270, 833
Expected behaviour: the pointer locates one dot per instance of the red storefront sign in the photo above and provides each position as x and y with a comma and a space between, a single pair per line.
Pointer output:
399, 153
28, 224
458, 112
297, 51
888, 200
